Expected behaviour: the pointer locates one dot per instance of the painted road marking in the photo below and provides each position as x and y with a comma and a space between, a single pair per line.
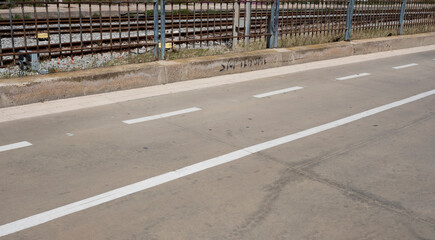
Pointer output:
277, 92
43, 217
14, 146
353, 76
406, 66
164, 115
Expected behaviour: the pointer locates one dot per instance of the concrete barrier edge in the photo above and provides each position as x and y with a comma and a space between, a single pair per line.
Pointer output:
20, 91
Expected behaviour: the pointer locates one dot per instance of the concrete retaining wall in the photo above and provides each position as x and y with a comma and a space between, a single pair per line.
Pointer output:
19, 91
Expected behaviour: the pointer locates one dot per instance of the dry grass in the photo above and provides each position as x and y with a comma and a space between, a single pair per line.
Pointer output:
420, 29
294, 41
200, 52
291, 41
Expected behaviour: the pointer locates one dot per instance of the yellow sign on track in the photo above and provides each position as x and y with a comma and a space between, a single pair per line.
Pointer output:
167, 45
42, 36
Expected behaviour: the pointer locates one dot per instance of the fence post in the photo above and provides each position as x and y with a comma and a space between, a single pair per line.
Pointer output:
162, 30
247, 22
276, 25
402, 17
271, 28
350, 6
236, 22
156, 29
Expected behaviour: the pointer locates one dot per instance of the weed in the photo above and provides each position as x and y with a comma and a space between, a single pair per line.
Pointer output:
419, 29
199, 52
20, 16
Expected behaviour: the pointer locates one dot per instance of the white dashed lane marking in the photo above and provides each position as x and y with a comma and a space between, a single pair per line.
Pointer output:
277, 92
406, 66
353, 76
14, 146
163, 115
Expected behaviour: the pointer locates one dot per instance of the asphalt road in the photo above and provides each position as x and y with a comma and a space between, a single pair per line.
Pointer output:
276, 167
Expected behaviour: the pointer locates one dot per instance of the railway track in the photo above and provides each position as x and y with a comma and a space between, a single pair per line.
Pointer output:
197, 15
144, 24
180, 29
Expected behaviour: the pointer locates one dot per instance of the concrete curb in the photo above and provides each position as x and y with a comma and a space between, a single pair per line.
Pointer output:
20, 91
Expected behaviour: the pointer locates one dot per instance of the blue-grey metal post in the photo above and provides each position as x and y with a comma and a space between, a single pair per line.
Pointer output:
271, 30
350, 6
156, 29
276, 25
236, 23
402, 17
247, 22
162, 30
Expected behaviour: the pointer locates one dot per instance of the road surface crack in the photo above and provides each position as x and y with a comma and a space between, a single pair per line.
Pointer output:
351, 192
266, 206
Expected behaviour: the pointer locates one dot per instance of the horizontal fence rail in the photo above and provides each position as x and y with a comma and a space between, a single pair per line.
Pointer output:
67, 28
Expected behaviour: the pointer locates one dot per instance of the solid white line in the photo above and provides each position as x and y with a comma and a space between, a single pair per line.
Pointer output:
406, 66
14, 146
170, 176
353, 76
277, 92
164, 115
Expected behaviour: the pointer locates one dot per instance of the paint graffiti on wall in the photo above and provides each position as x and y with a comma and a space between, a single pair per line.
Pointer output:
251, 62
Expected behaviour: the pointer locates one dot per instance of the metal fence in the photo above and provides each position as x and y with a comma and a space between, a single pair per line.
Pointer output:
58, 29
376, 15
419, 13
75, 27
311, 18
